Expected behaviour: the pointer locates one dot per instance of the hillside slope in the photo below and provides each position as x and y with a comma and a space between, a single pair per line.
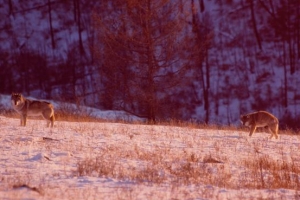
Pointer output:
85, 160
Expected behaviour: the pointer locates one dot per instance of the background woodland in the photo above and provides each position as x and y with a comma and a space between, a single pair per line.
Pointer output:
205, 61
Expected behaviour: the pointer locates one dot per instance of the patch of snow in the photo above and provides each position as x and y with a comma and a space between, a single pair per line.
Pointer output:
45, 160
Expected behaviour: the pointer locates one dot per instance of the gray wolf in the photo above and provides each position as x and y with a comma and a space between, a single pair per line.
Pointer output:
261, 119
26, 107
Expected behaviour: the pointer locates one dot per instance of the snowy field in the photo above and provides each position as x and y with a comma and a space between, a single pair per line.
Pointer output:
89, 160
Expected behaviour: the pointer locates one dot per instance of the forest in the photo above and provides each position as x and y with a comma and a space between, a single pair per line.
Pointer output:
206, 61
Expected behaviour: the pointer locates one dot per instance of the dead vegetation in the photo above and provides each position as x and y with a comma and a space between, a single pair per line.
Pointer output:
161, 165
175, 156
267, 173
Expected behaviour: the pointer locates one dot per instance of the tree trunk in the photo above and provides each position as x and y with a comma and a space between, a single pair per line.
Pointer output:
290, 32
285, 98
78, 17
75, 4
207, 87
150, 62
11, 7
205, 76
254, 25
298, 30
50, 24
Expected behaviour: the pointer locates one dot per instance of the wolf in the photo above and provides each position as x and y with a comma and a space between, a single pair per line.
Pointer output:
261, 119
26, 107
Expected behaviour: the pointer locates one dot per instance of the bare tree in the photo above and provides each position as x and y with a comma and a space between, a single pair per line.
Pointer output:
283, 17
11, 7
77, 18
146, 55
284, 21
202, 34
50, 24
254, 24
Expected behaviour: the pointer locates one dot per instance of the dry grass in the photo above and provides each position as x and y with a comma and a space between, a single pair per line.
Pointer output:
161, 166
153, 168
266, 172
176, 154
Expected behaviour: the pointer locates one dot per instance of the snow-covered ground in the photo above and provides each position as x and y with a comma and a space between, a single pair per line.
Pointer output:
89, 160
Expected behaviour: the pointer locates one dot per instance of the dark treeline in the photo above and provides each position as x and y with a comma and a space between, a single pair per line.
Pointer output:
208, 61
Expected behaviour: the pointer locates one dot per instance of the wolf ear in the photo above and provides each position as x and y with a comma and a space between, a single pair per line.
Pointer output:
16, 94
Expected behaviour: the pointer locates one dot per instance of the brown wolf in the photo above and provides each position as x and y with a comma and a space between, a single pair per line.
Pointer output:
261, 119
26, 107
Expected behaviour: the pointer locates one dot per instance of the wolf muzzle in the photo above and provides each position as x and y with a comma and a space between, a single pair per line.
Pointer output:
16, 102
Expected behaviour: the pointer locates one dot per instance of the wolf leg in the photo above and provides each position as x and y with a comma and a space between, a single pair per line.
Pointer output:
276, 135
252, 130
52, 120
272, 135
270, 131
48, 115
23, 120
274, 131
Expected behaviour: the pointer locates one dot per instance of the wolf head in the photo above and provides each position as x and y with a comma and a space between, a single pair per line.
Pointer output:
16, 98
245, 120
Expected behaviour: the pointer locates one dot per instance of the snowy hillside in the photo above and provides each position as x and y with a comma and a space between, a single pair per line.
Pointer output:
85, 160
5, 105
